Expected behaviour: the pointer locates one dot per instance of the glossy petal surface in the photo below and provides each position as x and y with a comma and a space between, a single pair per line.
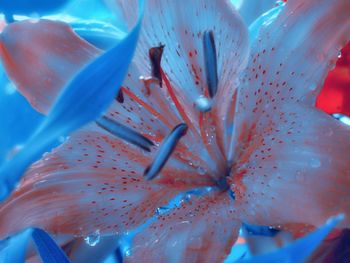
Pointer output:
41, 69
92, 182
202, 229
286, 151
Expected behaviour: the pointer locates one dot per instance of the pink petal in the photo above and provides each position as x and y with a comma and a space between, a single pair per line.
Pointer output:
180, 27
292, 161
92, 182
200, 230
41, 57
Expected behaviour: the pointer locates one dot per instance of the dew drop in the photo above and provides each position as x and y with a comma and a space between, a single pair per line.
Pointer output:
339, 54
161, 210
202, 104
313, 87
345, 119
10, 89
201, 170
93, 239
315, 163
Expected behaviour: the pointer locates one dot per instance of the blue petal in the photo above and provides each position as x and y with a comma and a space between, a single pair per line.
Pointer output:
14, 248
299, 250
100, 35
25, 7
84, 99
264, 20
18, 119
49, 251
95, 22
252, 9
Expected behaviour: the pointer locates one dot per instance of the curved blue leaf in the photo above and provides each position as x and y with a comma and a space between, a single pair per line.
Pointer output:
25, 7
301, 249
18, 119
14, 249
49, 251
264, 20
84, 99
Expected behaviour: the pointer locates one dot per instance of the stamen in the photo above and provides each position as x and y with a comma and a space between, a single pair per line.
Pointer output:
165, 150
210, 61
266, 231
155, 56
120, 96
121, 131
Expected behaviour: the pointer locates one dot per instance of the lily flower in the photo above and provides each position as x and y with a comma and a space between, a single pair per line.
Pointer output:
204, 111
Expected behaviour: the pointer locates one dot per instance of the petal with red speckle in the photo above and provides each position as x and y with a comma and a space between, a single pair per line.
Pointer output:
42, 57
292, 161
93, 182
202, 229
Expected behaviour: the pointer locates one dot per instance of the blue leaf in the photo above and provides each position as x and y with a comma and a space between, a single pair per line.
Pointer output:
26, 7
49, 251
264, 20
18, 119
100, 35
84, 99
299, 250
14, 249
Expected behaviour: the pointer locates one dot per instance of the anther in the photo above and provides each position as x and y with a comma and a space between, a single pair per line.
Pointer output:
210, 60
155, 55
256, 230
165, 150
121, 131
120, 96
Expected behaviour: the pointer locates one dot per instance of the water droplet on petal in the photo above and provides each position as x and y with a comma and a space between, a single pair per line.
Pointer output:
10, 88
202, 104
315, 163
161, 210
201, 170
313, 87
93, 239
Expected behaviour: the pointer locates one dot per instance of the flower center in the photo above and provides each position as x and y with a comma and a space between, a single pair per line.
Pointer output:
207, 127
